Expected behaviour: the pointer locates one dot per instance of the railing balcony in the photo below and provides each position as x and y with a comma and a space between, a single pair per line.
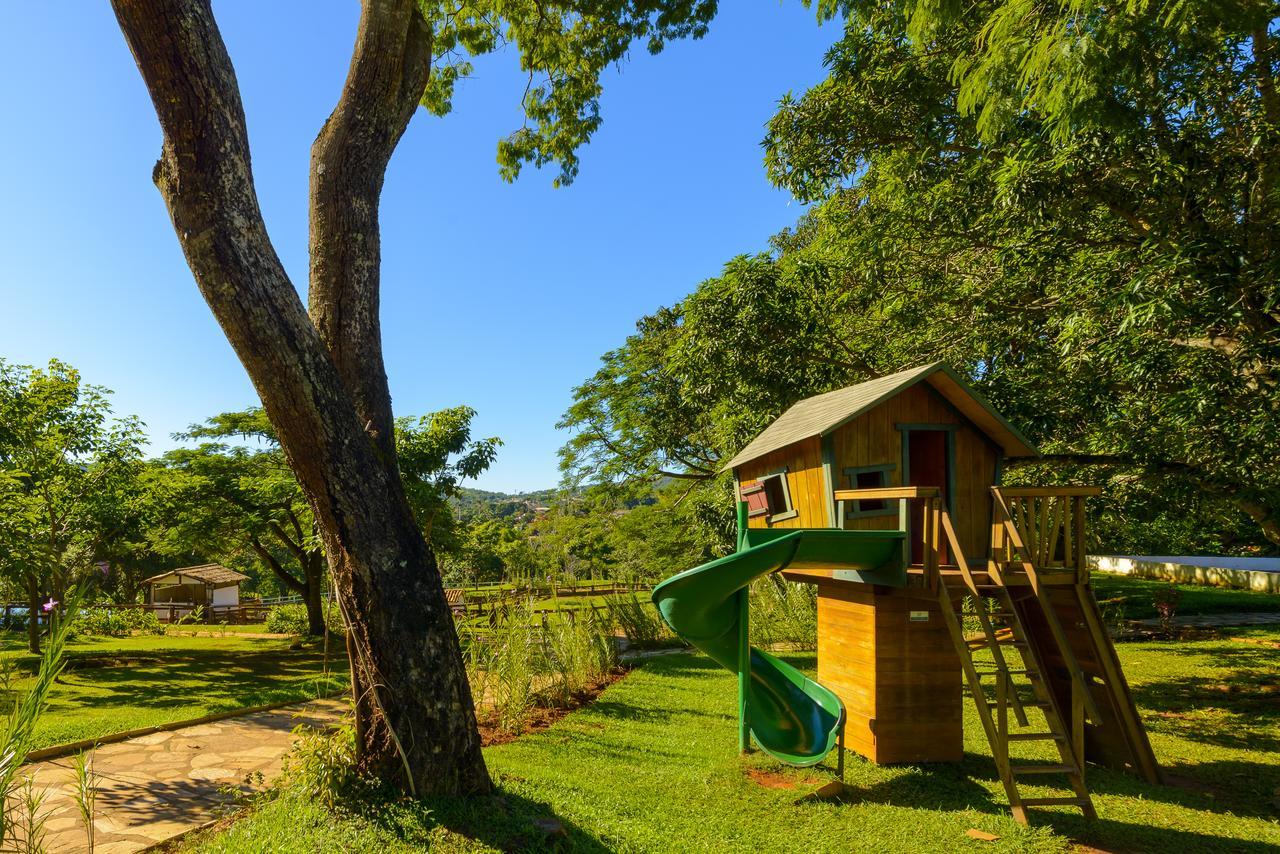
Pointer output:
1039, 528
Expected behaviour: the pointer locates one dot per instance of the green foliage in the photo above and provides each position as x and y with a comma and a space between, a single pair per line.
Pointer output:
436, 453
521, 662
292, 620
117, 622
321, 766
86, 795
783, 614
1072, 204
564, 48
581, 650
68, 471
639, 621
17, 733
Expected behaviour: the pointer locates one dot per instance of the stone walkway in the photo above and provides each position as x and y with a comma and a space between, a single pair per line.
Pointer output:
155, 786
1213, 621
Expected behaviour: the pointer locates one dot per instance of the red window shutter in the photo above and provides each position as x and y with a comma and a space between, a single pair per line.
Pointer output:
757, 499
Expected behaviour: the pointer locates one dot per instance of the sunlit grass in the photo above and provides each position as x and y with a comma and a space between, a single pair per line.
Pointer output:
652, 766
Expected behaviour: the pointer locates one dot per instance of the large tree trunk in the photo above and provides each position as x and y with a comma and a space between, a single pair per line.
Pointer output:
414, 708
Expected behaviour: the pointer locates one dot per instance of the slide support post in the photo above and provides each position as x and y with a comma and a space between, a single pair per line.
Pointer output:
744, 673
744, 644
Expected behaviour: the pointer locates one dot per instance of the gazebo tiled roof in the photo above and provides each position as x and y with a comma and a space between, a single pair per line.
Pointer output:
210, 573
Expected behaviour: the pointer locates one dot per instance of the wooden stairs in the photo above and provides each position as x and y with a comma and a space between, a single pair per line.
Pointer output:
1048, 671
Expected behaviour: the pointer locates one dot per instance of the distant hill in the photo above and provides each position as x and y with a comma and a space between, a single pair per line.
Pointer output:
519, 506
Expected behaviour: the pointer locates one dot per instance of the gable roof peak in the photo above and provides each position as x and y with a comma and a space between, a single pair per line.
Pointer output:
823, 413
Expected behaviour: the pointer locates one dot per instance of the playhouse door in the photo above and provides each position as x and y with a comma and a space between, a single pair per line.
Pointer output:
928, 464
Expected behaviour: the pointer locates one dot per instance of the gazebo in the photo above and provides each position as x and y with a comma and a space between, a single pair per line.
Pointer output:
211, 585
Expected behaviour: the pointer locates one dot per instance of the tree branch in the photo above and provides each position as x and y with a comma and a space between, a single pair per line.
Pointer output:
299, 587
388, 74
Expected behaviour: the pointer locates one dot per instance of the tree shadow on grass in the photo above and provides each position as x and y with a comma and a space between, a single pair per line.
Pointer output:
503, 821
938, 787
1227, 786
1252, 694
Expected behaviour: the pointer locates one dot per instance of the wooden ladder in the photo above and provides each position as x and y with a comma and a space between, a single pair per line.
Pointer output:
1003, 631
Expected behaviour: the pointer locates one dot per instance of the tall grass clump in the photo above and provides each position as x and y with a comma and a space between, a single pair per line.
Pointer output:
21, 825
783, 614
512, 661
580, 648
639, 621
527, 661
86, 795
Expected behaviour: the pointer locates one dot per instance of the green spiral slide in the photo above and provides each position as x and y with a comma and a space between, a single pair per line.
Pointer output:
791, 717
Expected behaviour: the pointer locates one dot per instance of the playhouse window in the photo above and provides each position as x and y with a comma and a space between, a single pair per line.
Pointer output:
769, 497
869, 477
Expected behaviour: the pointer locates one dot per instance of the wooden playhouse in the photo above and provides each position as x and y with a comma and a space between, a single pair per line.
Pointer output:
921, 451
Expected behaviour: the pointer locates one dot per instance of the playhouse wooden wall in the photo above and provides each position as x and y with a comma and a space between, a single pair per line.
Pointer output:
874, 439
806, 482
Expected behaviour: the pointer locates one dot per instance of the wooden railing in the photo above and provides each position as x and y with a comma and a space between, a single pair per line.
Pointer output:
1040, 527
929, 499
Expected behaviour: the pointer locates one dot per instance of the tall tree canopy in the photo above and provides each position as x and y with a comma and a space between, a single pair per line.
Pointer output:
1075, 202
319, 370
234, 492
67, 467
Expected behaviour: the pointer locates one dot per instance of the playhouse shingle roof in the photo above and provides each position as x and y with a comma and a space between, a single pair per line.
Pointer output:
209, 573
824, 413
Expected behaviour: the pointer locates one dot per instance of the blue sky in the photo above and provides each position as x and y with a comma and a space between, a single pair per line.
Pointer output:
499, 296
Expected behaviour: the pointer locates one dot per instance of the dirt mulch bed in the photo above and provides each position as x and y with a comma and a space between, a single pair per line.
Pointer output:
542, 717
773, 780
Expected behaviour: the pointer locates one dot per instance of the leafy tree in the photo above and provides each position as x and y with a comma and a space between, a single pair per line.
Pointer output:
1080, 201
235, 491
436, 453
319, 372
65, 464
1070, 202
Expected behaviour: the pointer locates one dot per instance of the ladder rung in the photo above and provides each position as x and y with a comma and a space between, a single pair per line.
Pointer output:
1043, 769
1054, 802
1027, 704
1031, 674
1034, 736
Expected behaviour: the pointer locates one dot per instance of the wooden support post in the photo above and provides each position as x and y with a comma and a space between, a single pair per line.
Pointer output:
744, 672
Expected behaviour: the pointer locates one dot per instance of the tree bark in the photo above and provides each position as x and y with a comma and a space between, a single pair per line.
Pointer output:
313, 596
309, 588
415, 714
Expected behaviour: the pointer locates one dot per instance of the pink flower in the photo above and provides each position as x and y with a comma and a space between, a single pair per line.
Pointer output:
50, 605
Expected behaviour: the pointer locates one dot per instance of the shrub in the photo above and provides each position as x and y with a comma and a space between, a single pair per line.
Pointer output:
292, 620
321, 766
519, 662
117, 622
1165, 601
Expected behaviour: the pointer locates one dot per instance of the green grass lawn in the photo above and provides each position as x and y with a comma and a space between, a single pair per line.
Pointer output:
150, 680
652, 766
1193, 598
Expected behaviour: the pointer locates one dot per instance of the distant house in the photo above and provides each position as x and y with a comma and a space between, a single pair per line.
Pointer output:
211, 585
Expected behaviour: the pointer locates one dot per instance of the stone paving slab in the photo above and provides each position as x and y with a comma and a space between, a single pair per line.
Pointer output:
1205, 621
155, 786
